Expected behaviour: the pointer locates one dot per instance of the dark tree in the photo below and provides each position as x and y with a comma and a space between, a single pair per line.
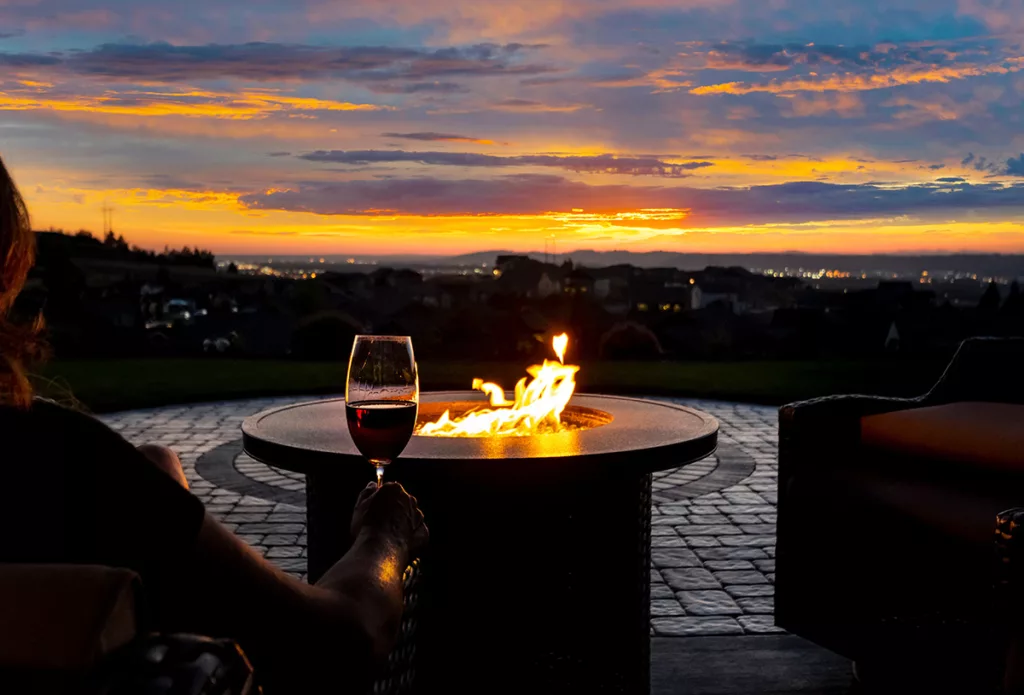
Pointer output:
232, 269
1013, 303
991, 299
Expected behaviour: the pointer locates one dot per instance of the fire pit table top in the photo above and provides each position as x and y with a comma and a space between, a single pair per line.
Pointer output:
309, 437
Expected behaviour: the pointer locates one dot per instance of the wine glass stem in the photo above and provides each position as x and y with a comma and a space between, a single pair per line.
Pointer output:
380, 475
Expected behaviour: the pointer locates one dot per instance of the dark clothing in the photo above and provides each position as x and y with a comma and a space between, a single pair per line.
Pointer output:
74, 491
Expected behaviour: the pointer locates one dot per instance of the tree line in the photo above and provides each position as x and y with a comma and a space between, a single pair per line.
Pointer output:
84, 243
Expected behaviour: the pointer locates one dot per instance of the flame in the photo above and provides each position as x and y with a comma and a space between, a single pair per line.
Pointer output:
536, 409
559, 343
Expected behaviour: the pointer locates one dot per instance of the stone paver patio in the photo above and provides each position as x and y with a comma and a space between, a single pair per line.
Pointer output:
713, 555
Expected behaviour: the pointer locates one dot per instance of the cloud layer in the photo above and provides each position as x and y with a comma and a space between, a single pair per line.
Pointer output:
593, 164
527, 194
381, 67
782, 112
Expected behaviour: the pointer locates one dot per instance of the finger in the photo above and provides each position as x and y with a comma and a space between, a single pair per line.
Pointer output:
396, 488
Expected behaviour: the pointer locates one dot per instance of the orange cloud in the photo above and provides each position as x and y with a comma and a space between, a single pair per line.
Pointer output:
244, 105
854, 82
844, 104
531, 106
213, 219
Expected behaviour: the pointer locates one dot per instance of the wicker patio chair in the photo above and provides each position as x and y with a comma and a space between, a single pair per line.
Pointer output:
886, 512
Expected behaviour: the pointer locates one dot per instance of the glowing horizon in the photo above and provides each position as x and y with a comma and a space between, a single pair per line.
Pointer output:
398, 128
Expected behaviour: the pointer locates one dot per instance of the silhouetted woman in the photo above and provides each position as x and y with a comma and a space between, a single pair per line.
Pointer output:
73, 491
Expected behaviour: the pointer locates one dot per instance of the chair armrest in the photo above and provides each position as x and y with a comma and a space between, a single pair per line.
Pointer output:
834, 418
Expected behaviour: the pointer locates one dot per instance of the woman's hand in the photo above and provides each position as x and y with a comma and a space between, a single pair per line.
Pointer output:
391, 512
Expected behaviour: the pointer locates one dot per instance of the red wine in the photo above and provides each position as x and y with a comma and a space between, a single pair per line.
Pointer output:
381, 429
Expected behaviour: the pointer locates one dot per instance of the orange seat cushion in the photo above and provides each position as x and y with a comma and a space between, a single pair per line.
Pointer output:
64, 617
990, 435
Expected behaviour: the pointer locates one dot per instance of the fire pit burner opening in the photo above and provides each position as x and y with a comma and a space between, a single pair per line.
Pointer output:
574, 417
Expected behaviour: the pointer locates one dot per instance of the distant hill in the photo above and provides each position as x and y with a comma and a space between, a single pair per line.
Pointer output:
1000, 265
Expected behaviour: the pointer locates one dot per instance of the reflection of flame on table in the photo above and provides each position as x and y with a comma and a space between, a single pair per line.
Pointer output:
536, 409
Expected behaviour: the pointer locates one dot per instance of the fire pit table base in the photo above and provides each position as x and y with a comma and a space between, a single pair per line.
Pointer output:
522, 589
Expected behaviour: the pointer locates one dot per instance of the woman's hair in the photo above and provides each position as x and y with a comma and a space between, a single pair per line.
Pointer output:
17, 253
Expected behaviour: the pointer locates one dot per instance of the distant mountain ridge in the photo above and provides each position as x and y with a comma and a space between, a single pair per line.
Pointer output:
1000, 265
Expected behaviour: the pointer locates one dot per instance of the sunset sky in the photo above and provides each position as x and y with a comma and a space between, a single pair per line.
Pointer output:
342, 127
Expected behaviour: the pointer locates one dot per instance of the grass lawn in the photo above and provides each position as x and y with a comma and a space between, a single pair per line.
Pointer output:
108, 385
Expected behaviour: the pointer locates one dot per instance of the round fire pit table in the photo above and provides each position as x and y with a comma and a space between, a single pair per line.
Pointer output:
537, 575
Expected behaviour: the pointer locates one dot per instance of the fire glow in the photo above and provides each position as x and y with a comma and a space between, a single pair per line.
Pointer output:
536, 409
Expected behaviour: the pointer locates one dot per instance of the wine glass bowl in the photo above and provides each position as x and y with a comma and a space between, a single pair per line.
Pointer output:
382, 396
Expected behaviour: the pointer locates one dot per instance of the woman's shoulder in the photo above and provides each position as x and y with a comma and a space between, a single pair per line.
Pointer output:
44, 409
48, 420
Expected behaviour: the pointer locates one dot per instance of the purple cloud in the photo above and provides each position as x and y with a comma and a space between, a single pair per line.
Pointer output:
1015, 165
430, 136
804, 201
164, 62
981, 164
597, 164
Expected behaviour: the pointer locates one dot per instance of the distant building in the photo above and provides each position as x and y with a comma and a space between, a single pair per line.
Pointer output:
579, 282
711, 293
521, 276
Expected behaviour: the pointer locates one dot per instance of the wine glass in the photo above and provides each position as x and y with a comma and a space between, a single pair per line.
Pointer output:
382, 397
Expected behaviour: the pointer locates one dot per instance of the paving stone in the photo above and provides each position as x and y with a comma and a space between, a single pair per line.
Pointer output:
708, 519
690, 578
708, 602
669, 520
743, 498
755, 541
765, 565
694, 626
665, 607
708, 530
741, 577
758, 529
245, 517
757, 605
719, 565
264, 527
750, 590
702, 542
758, 624
662, 591
731, 553
674, 557
667, 542
286, 517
